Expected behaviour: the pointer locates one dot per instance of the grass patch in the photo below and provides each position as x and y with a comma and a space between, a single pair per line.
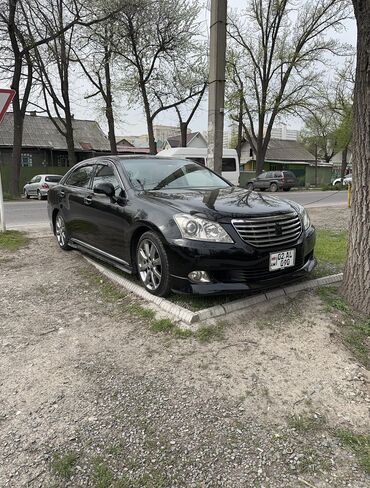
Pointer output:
12, 240
162, 325
331, 247
330, 295
62, 465
360, 445
208, 333
139, 311
102, 476
354, 328
306, 422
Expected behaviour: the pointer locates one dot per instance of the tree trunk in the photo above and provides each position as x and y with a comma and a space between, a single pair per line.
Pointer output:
356, 281
17, 151
109, 103
344, 162
261, 149
70, 142
240, 130
184, 134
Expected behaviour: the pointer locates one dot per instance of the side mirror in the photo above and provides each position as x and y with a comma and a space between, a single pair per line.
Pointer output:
105, 189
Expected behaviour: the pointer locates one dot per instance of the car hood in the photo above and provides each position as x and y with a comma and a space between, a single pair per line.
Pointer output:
220, 203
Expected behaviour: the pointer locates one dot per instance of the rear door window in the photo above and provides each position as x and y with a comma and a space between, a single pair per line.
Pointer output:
228, 164
80, 177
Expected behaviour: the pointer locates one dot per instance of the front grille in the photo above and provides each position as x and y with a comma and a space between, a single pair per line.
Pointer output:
269, 231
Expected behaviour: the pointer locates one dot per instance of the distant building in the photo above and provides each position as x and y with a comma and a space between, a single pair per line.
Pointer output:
282, 132
194, 139
44, 146
161, 134
289, 155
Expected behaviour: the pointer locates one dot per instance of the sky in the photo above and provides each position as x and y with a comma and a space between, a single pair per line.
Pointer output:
131, 121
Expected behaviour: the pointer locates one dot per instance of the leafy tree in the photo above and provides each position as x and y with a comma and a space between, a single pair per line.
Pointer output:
153, 34
274, 67
22, 31
356, 279
320, 133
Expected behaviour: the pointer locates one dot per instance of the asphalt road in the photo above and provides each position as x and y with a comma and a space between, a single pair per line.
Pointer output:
32, 213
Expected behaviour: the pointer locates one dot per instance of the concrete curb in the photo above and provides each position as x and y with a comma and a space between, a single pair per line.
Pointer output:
189, 317
180, 313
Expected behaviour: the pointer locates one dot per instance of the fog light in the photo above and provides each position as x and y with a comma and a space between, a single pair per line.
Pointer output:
199, 277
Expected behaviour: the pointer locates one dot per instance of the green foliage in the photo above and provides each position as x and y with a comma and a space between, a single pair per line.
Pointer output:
139, 311
102, 475
306, 422
209, 333
62, 465
162, 325
360, 444
331, 246
12, 240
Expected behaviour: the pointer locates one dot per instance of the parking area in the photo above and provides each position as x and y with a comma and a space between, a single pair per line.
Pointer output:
95, 392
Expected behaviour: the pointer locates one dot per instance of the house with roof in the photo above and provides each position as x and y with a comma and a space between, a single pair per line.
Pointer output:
290, 155
194, 139
44, 146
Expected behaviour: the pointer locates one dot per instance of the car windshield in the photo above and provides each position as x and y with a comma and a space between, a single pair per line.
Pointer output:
167, 174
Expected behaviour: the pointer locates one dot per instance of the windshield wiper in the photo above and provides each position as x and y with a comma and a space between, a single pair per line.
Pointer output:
141, 184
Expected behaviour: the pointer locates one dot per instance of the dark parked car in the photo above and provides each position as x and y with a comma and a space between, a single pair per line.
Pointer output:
273, 181
179, 226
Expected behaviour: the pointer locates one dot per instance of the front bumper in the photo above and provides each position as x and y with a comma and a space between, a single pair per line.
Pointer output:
235, 268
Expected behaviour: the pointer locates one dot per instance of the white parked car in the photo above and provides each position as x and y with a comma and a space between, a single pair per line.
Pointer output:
347, 180
339, 181
39, 185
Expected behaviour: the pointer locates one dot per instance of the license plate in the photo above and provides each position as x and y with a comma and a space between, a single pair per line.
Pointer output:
282, 259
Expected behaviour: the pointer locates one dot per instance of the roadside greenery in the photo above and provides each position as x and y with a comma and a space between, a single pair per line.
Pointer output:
12, 240
330, 252
353, 327
360, 444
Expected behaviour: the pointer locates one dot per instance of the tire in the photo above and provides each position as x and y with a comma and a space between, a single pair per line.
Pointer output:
286, 189
39, 196
61, 233
152, 265
250, 186
273, 187
26, 195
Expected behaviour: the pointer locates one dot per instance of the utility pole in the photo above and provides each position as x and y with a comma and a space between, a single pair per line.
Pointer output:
216, 80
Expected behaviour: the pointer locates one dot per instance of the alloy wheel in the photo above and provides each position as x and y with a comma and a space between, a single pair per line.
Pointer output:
60, 231
149, 264
39, 196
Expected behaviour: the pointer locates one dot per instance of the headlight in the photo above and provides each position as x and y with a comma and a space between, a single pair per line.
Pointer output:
305, 218
199, 229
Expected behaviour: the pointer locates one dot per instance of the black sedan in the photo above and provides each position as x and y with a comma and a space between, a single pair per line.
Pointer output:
179, 226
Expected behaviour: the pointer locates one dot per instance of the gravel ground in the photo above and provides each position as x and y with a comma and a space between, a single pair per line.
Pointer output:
91, 397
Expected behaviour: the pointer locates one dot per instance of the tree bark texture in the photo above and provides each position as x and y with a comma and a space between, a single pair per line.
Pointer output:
184, 134
356, 282
109, 102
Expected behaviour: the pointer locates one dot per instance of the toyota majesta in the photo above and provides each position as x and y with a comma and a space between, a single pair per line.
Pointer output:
179, 226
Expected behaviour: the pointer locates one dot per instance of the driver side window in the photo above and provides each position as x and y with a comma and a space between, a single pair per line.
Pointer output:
105, 174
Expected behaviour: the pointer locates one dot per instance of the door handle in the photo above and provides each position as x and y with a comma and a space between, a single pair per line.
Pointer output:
88, 200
